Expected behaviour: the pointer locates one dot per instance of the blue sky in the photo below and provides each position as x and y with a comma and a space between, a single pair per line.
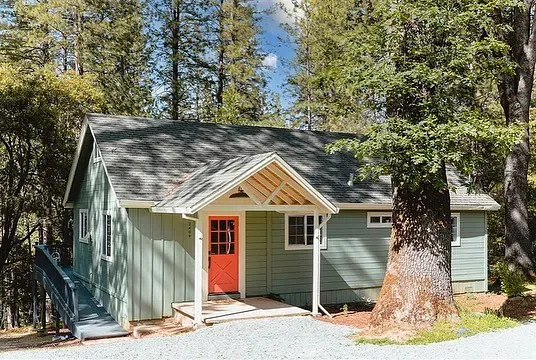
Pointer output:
280, 52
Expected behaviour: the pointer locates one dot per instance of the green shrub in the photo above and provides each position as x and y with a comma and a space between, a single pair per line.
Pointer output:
512, 280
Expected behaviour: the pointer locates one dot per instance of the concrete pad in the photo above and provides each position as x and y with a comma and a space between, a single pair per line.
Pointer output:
218, 311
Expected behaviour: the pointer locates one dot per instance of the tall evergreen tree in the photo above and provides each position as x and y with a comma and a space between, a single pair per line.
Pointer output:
426, 62
99, 37
179, 37
319, 31
516, 92
240, 81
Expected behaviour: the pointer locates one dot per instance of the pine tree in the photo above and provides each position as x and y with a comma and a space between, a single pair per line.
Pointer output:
515, 89
179, 38
240, 81
117, 54
319, 31
98, 37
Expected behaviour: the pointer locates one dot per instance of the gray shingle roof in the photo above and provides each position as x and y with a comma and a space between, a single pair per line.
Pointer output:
147, 158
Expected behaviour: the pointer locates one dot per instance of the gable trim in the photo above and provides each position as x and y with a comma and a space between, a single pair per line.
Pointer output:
74, 165
136, 204
272, 158
72, 173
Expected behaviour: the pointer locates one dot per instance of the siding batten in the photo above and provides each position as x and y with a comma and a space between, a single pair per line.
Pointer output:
269, 252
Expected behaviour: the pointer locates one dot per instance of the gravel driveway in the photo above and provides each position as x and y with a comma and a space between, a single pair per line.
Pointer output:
290, 338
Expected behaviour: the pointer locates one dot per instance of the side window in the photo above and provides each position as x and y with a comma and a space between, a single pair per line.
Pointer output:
299, 232
384, 220
106, 248
455, 227
83, 234
379, 220
96, 153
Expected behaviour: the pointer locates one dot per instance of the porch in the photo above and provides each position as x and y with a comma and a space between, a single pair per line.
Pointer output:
219, 311
216, 198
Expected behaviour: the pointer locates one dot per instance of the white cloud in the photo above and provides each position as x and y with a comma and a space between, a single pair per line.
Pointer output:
278, 15
270, 61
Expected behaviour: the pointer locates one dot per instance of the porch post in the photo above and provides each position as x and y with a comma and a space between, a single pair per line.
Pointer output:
198, 281
316, 264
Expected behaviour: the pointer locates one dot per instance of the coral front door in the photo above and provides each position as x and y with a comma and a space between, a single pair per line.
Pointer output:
223, 254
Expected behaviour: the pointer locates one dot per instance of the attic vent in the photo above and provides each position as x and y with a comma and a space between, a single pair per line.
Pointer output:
350, 180
96, 152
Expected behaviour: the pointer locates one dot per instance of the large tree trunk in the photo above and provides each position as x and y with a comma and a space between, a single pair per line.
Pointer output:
417, 288
515, 92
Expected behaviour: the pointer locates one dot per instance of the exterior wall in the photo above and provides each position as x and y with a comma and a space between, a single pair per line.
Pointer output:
160, 263
353, 265
106, 280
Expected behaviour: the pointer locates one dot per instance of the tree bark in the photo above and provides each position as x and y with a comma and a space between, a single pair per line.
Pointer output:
417, 288
515, 92
221, 59
175, 43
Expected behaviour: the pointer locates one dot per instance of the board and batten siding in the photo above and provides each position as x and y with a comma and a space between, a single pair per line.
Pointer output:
106, 280
160, 263
352, 266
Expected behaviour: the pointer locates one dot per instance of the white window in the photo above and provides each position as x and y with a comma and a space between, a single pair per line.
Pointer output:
379, 220
83, 234
106, 248
96, 153
384, 220
455, 227
299, 232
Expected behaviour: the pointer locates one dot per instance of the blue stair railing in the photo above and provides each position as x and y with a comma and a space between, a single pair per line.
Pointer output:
60, 288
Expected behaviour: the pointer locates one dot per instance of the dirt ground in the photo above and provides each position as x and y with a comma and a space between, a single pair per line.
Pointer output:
164, 327
26, 338
519, 308
356, 315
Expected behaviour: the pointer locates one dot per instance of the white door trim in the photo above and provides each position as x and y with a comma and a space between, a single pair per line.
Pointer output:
241, 247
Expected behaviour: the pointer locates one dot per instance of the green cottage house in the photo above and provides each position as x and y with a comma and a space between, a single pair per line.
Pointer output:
170, 211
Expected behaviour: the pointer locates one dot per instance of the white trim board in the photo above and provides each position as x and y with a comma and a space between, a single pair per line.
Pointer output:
74, 165
389, 207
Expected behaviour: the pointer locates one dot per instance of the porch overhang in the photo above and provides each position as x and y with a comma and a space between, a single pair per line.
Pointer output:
270, 182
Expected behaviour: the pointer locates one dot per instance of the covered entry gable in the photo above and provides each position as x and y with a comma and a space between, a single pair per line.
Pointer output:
269, 182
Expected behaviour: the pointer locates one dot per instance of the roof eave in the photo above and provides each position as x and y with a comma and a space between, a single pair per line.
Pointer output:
389, 206
74, 165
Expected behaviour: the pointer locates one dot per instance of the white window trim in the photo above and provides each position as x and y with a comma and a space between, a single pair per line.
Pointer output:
83, 239
458, 241
103, 256
97, 156
323, 242
380, 224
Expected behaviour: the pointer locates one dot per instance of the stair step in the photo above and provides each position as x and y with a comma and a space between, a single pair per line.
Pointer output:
224, 296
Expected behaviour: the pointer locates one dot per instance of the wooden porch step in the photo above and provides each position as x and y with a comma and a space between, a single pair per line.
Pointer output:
224, 296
